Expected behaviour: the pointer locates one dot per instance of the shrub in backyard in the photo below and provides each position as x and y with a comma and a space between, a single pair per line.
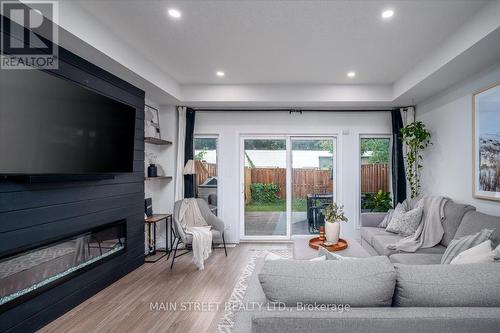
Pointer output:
264, 193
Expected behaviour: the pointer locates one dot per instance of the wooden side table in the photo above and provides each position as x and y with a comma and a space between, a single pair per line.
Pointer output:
151, 223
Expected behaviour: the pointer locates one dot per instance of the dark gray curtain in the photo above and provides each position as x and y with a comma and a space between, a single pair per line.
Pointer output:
189, 180
398, 167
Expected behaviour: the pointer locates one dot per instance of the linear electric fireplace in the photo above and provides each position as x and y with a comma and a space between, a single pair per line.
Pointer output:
29, 272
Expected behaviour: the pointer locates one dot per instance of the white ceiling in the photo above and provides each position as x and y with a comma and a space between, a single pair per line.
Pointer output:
286, 53
283, 42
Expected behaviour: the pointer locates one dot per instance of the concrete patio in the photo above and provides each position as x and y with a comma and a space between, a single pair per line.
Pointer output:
274, 223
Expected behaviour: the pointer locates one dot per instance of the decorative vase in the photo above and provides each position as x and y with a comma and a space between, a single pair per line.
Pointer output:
152, 171
332, 231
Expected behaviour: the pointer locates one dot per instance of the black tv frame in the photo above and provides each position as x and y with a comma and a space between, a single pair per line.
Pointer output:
83, 81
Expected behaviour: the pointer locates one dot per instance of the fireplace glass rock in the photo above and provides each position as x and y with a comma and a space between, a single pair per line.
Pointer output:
28, 271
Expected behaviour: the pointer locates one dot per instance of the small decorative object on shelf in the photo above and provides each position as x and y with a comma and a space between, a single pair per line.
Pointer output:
334, 214
152, 168
322, 233
152, 171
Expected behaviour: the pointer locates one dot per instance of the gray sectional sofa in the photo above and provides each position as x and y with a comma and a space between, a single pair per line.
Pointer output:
460, 220
426, 297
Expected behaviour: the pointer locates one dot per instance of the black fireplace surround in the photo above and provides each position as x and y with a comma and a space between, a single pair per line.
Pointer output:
73, 212
30, 272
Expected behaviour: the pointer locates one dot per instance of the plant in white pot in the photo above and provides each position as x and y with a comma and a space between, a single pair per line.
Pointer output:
334, 215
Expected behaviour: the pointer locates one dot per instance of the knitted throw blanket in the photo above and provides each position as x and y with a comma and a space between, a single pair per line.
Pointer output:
430, 231
192, 222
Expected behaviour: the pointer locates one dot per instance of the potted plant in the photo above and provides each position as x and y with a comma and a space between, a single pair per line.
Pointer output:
417, 138
334, 214
152, 168
379, 202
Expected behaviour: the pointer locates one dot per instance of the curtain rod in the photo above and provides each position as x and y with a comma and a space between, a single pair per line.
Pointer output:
295, 110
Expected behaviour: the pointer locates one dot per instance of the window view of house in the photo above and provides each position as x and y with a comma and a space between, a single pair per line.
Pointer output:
375, 174
205, 155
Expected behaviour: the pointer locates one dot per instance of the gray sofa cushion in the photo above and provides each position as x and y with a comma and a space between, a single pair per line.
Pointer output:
454, 213
447, 285
473, 222
378, 239
416, 258
359, 320
374, 320
367, 233
362, 282
380, 243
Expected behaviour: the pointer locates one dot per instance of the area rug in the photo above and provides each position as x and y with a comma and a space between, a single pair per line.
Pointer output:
226, 323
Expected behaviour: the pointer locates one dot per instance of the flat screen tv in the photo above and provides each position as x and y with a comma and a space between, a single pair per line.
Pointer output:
53, 126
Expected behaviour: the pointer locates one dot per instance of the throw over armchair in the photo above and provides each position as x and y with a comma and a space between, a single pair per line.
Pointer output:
181, 237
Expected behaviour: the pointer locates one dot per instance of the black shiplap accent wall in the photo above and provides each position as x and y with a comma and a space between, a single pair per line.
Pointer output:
35, 213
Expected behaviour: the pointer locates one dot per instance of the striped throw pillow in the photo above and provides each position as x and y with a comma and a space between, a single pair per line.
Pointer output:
458, 246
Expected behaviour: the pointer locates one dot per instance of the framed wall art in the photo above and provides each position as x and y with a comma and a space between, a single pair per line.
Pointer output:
151, 122
486, 143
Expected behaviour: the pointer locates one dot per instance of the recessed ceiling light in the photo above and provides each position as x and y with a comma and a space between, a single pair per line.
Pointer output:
174, 13
387, 14
220, 73
351, 74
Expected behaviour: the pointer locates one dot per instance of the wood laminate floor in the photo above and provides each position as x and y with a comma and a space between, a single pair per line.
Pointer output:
124, 306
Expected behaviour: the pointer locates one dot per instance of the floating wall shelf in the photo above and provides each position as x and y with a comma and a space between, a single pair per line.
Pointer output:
158, 178
156, 141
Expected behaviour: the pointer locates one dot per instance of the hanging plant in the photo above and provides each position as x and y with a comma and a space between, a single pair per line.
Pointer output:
416, 137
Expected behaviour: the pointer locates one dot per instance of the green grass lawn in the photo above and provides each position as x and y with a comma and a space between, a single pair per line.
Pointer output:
298, 205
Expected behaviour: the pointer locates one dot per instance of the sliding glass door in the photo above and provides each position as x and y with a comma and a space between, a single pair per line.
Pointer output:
312, 182
286, 182
264, 183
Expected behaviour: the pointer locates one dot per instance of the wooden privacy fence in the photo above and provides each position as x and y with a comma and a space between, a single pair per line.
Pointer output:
204, 171
374, 177
304, 181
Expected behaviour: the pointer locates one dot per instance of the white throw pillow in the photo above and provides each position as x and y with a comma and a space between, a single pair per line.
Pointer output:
405, 222
477, 254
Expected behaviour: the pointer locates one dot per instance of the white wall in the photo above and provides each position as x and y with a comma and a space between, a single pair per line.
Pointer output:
448, 163
162, 191
230, 125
